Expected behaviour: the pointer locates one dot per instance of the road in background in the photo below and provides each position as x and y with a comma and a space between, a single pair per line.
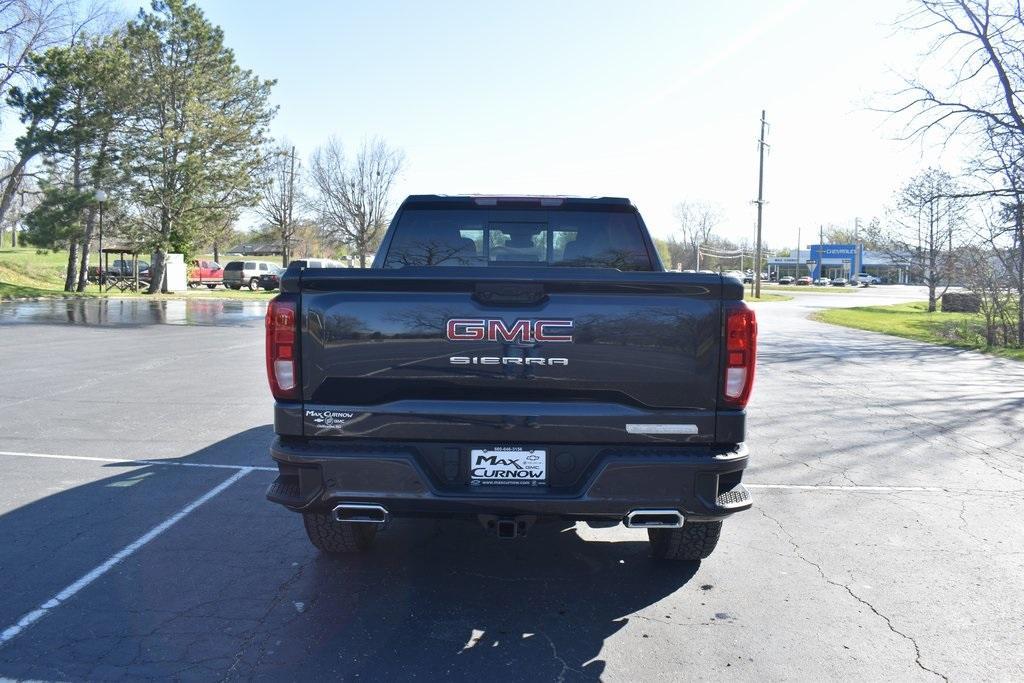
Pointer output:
884, 542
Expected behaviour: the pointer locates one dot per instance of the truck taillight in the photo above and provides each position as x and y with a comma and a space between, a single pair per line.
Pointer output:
740, 355
282, 370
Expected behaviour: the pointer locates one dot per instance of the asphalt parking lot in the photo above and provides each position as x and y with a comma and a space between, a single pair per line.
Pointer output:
885, 542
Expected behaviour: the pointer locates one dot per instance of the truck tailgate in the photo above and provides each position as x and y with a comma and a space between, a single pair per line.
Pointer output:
511, 354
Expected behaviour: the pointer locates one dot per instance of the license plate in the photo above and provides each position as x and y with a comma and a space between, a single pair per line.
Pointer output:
507, 467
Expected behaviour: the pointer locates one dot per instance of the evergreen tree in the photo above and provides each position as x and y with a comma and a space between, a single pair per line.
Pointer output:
73, 115
197, 124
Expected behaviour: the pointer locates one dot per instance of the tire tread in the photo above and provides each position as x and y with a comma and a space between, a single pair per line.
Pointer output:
692, 541
337, 537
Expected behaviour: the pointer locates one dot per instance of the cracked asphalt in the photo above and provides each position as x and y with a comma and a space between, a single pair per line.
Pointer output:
885, 542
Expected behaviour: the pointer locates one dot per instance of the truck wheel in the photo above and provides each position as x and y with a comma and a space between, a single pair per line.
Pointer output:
254, 284
338, 537
694, 541
212, 286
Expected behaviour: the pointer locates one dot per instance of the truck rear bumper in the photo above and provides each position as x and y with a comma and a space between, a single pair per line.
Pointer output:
701, 482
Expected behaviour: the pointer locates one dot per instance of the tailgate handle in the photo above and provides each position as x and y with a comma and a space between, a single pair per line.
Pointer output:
509, 293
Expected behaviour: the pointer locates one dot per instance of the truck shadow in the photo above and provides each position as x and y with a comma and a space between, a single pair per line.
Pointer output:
235, 590
439, 599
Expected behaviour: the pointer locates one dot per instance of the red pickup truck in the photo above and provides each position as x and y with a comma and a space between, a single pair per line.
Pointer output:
209, 273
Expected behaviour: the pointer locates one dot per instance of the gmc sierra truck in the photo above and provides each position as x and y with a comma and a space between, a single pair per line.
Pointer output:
512, 360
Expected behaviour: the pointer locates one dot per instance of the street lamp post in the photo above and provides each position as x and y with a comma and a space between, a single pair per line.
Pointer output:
101, 197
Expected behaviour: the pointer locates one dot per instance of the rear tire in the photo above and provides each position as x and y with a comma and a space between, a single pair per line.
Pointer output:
254, 284
338, 537
693, 541
212, 286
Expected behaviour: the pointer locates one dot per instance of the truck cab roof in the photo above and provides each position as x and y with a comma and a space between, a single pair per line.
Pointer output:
517, 201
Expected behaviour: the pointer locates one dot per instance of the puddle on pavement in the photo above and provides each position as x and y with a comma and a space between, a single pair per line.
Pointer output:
133, 312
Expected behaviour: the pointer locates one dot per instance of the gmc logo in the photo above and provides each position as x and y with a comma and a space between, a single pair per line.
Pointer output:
479, 329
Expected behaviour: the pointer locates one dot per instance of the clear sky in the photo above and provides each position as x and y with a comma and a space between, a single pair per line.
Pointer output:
658, 102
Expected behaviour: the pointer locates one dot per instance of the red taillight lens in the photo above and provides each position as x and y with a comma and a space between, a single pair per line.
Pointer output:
282, 370
740, 355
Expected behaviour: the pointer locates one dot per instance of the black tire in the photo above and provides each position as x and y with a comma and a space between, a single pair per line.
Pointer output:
693, 541
338, 537
212, 286
254, 284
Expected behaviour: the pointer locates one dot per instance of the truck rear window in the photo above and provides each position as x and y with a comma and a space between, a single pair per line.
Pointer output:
468, 237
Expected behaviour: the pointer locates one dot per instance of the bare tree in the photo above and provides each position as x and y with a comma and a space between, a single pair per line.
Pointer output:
983, 39
697, 223
926, 230
987, 280
353, 198
29, 26
1003, 167
280, 195
980, 101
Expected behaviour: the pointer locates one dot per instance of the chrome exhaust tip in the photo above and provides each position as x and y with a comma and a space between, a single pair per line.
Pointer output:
362, 513
654, 519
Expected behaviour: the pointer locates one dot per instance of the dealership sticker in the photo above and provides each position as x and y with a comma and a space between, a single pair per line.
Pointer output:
327, 419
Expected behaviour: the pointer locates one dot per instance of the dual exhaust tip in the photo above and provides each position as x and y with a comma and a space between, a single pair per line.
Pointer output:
369, 513
654, 519
361, 513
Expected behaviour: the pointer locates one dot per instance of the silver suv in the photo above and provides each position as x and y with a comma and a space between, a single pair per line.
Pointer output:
238, 274
865, 279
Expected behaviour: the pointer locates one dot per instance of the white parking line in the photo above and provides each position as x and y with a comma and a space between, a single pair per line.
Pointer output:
126, 461
69, 592
851, 487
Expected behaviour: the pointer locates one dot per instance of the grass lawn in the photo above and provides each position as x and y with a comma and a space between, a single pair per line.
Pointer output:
809, 290
26, 272
765, 296
913, 321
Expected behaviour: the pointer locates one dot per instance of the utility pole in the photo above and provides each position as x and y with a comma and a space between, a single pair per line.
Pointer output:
799, 241
760, 204
291, 203
821, 249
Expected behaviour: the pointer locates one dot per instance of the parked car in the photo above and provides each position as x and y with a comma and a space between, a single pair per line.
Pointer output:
272, 280
205, 272
839, 282
238, 274
804, 281
865, 279
121, 268
748, 277
320, 263
738, 274
348, 465
822, 282
785, 280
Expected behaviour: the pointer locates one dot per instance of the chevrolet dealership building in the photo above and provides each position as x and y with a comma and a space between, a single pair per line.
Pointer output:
839, 260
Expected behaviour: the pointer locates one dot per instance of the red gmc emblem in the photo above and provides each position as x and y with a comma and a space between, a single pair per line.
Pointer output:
480, 329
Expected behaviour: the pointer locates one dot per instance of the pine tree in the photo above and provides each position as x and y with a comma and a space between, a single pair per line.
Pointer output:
198, 121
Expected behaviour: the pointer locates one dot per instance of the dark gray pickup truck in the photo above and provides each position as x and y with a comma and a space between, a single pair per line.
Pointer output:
512, 360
